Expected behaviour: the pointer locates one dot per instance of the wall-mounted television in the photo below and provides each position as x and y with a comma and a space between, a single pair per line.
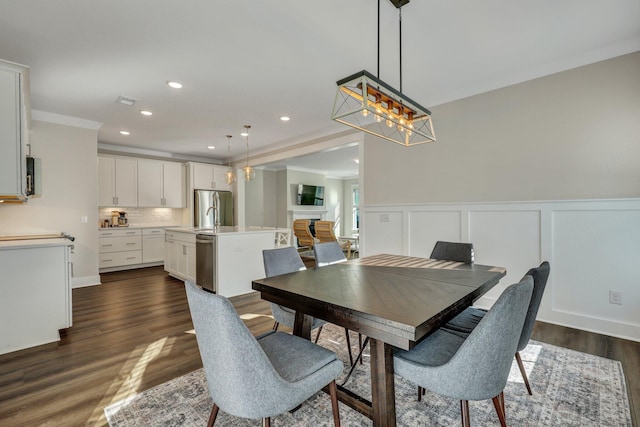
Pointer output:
310, 195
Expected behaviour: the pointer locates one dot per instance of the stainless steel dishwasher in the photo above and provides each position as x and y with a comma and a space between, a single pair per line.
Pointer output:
205, 261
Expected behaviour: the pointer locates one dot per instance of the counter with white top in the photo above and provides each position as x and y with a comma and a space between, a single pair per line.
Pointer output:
35, 292
236, 257
134, 246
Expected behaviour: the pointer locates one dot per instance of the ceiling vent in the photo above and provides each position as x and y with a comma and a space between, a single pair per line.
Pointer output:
126, 100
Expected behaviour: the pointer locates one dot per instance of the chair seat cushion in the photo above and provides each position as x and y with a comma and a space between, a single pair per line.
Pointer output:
300, 359
465, 322
435, 350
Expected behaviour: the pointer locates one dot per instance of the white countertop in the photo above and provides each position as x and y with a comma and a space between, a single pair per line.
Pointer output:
142, 225
33, 243
226, 230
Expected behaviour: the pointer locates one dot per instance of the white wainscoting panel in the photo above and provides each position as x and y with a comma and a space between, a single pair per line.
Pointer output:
430, 227
509, 238
389, 236
596, 252
593, 247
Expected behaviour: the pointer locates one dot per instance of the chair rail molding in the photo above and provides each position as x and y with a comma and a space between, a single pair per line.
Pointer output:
592, 246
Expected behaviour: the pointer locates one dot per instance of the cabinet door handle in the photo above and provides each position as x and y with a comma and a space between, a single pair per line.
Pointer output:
131, 257
131, 243
107, 260
184, 250
106, 245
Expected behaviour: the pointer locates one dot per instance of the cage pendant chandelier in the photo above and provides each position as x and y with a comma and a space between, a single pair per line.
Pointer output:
365, 102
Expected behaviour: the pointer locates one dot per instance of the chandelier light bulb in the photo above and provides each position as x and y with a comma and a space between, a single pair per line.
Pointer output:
365, 112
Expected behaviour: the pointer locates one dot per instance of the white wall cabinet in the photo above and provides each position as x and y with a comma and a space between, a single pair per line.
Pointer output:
160, 184
117, 181
180, 255
13, 130
208, 177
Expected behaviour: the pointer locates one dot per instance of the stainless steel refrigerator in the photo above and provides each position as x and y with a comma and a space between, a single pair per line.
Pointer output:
211, 207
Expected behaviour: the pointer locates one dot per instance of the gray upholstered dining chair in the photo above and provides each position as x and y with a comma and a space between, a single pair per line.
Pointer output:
282, 261
256, 378
327, 253
466, 321
476, 367
453, 251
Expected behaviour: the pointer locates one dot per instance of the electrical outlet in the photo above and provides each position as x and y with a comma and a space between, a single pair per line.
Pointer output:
615, 297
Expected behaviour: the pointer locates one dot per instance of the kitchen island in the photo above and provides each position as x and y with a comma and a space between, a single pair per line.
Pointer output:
35, 293
232, 259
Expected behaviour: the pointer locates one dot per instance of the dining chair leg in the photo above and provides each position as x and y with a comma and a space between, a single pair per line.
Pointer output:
213, 416
275, 325
266, 422
523, 372
333, 391
346, 332
318, 334
464, 411
498, 404
419, 393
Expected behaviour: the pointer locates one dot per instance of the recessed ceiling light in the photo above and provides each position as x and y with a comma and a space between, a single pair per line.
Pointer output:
146, 112
125, 132
211, 147
175, 85
285, 118
244, 133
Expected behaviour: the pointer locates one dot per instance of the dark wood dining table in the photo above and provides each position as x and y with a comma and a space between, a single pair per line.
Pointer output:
395, 300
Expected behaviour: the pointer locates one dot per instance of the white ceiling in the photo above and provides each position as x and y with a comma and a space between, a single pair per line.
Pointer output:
249, 62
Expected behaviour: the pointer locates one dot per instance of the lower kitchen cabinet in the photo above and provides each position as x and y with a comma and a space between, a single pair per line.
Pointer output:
180, 255
119, 247
35, 296
152, 245
125, 248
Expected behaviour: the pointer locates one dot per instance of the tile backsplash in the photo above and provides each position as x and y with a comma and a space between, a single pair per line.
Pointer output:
142, 216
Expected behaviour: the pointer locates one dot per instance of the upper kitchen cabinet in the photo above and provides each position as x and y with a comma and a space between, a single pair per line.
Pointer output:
117, 181
161, 184
14, 117
208, 177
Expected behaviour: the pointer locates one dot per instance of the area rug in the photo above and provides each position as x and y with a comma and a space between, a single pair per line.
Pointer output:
569, 389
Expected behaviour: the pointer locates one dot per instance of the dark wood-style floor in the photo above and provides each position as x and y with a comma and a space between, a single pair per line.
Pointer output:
134, 332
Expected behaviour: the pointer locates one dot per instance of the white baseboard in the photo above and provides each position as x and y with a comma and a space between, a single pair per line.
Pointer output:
81, 282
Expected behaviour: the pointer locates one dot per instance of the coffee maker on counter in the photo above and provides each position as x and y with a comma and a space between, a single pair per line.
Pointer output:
119, 219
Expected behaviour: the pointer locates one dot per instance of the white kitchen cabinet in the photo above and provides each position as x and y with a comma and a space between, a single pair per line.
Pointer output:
152, 245
14, 114
208, 177
119, 247
160, 184
117, 181
180, 254
35, 296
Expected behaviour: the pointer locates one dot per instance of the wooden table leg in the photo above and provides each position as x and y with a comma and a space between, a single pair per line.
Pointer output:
302, 325
383, 396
